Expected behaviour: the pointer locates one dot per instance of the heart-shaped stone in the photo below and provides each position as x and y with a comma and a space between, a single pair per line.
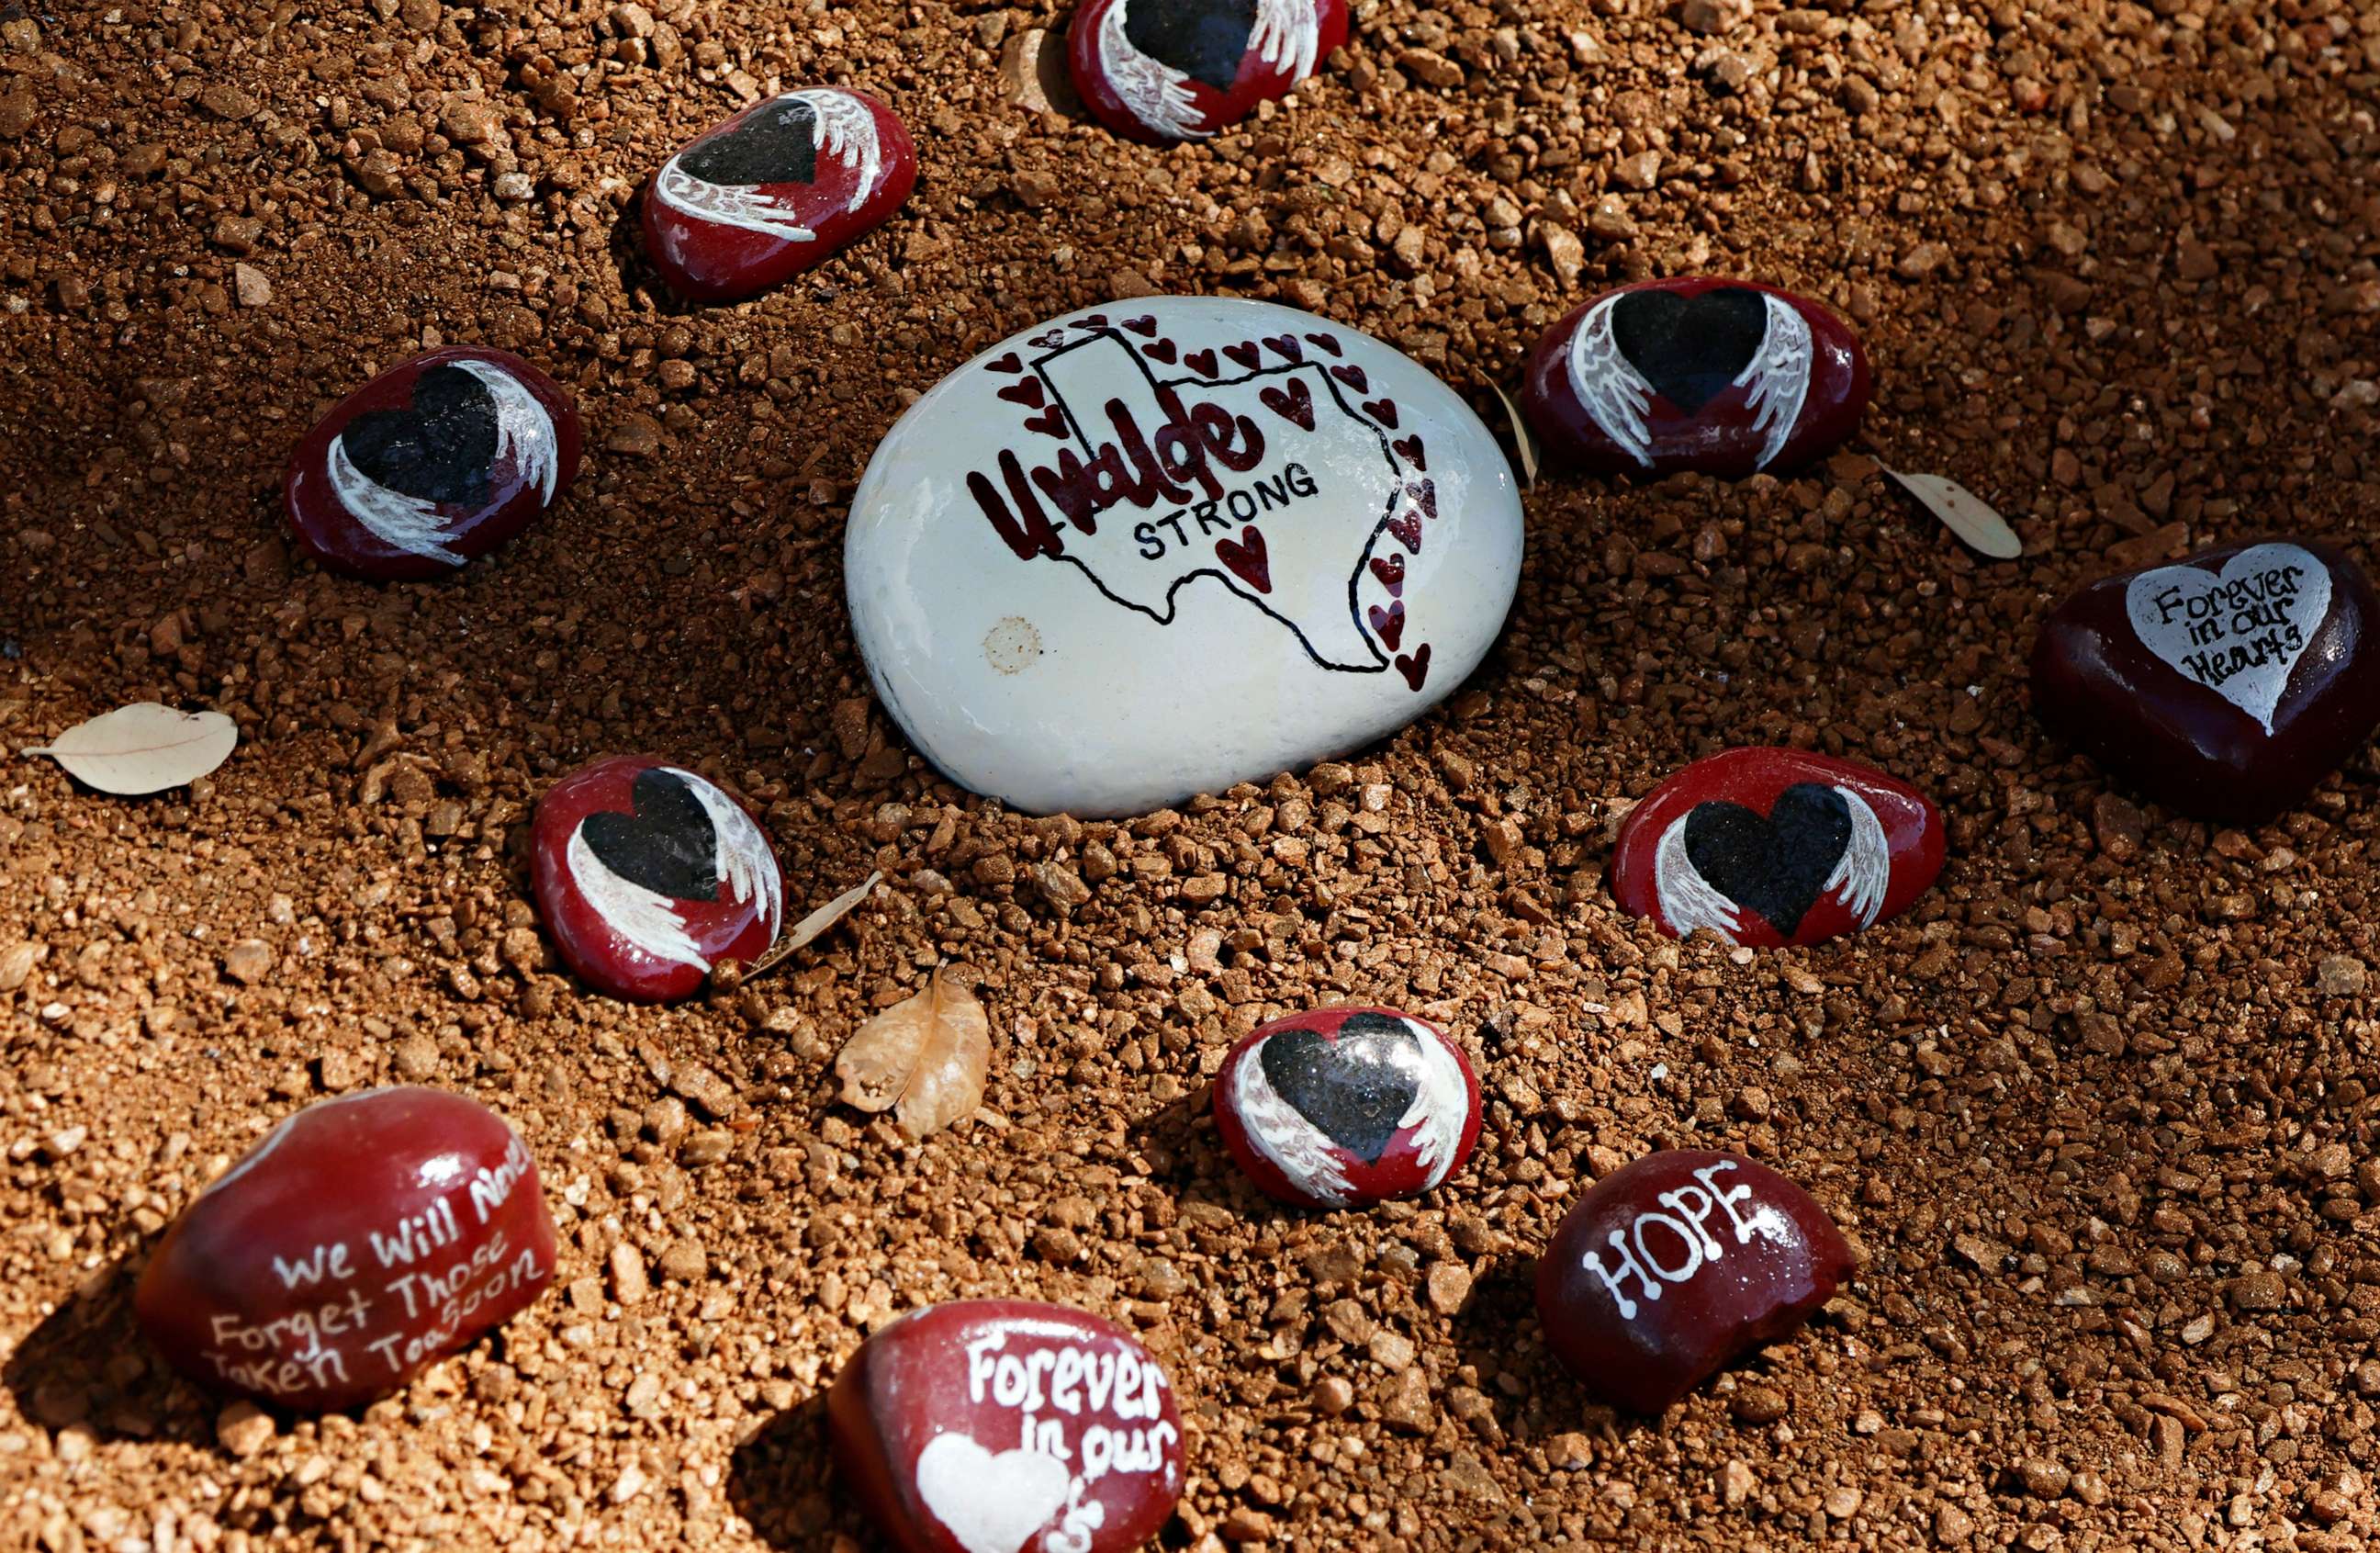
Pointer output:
1774, 864
665, 842
441, 447
2227, 685
992, 1504
1690, 349
1343, 1107
1166, 71
1775, 846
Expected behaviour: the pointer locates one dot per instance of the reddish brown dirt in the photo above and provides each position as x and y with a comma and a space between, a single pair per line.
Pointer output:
2099, 1112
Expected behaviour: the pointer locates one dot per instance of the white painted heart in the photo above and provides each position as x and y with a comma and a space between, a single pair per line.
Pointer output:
992, 1504
2238, 632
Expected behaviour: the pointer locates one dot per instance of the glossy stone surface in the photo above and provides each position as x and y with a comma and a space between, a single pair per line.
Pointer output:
2227, 686
435, 461
1006, 1426
647, 875
1676, 1263
1776, 846
1161, 546
1164, 70
786, 184
366, 1237
1728, 378
1347, 1107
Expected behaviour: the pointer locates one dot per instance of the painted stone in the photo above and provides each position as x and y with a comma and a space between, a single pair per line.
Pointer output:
1347, 1107
786, 184
437, 460
2227, 687
645, 874
1159, 547
365, 1238
1676, 1263
1007, 1426
1163, 70
1776, 846
1727, 377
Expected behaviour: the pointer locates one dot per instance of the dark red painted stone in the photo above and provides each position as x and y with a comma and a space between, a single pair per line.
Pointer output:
647, 875
1159, 71
1776, 846
1347, 1107
1728, 378
786, 184
365, 1238
1673, 1264
2227, 686
437, 460
1004, 1426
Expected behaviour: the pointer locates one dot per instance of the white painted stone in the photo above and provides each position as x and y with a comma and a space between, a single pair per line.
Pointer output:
1119, 664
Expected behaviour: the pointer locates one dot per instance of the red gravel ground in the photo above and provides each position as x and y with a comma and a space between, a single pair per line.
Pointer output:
2099, 1112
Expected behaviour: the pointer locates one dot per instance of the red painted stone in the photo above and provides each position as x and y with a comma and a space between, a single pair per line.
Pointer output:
437, 460
365, 1238
785, 185
1347, 1107
1728, 378
1673, 1264
647, 874
1003, 1427
1776, 846
1159, 71
2227, 686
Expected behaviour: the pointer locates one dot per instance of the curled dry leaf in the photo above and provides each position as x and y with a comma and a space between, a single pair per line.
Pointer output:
143, 748
1525, 441
923, 1059
1964, 514
808, 930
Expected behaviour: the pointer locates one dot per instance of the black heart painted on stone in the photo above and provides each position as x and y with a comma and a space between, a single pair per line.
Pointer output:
777, 144
442, 448
1690, 348
1204, 40
1356, 1089
1778, 865
668, 844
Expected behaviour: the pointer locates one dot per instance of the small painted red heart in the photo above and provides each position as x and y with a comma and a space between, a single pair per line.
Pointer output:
1092, 321
1247, 558
1390, 570
1382, 410
1146, 324
1424, 494
1245, 353
1025, 391
1050, 341
1296, 405
1409, 449
1051, 422
1389, 624
1012, 362
1326, 342
1159, 350
1414, 666
1353, 376
1200, 362
1287, 344
1406, 528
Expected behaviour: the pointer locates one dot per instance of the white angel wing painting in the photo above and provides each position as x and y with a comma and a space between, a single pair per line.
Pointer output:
1440, 1105
1296, 1147
525, 436
1864, 871
1154, 92
841, 127
1287, 35
1778, 377
655, 922
1687, 900
1608, 386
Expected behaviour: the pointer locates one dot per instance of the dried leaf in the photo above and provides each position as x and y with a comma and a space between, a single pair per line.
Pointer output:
808, 928
924, 1057
1524, 442
143, 748
1964, 514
